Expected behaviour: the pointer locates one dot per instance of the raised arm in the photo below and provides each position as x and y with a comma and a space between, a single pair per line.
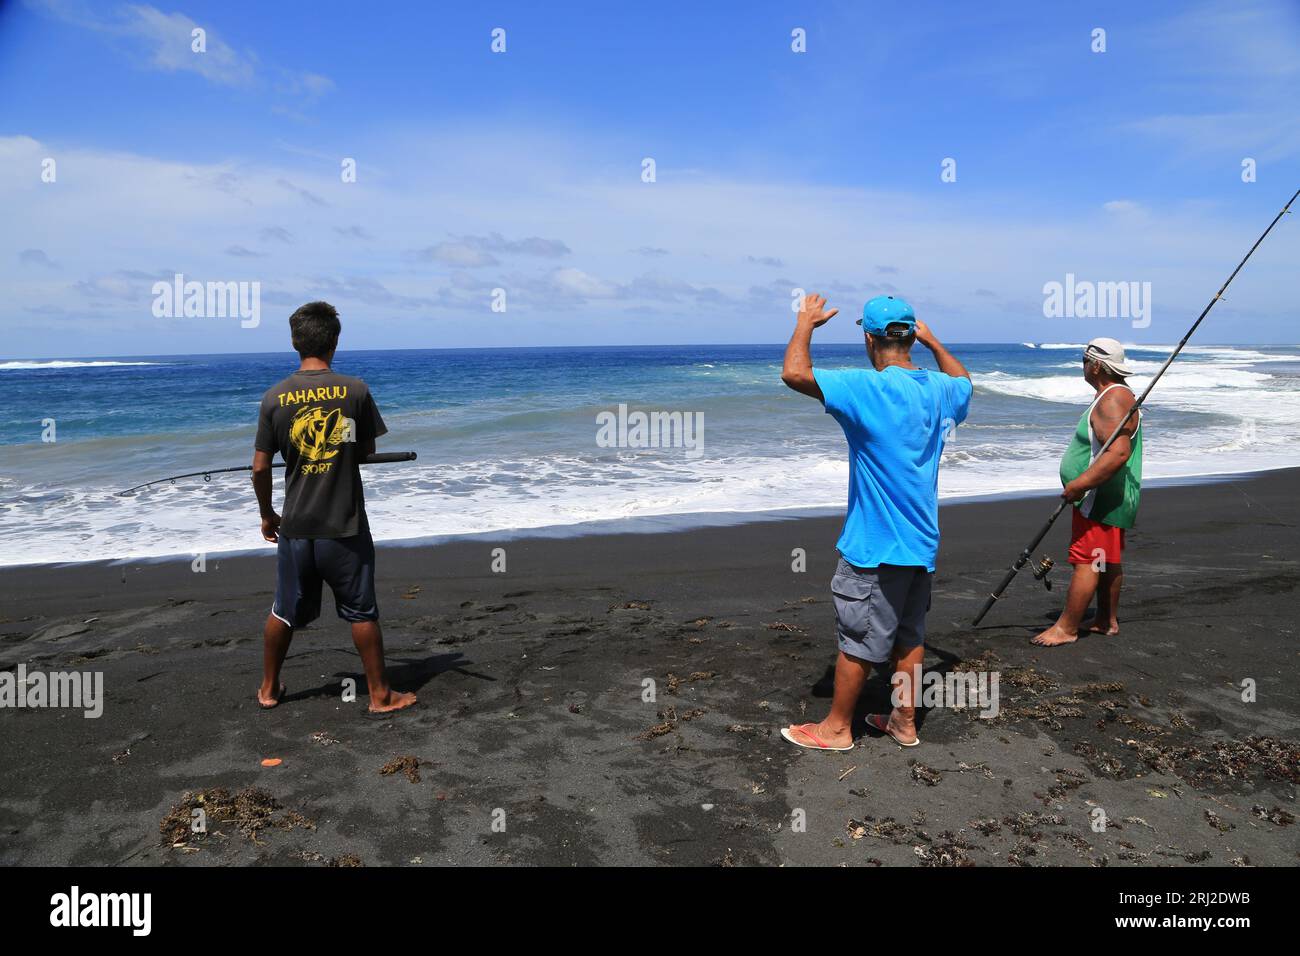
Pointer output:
798, 371
945, 360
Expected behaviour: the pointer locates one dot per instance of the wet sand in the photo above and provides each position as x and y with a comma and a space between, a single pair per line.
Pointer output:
532, 716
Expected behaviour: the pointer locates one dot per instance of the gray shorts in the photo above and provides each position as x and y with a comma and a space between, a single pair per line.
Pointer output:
880, 610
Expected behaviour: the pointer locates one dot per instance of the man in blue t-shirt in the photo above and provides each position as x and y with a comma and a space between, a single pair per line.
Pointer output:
896, 418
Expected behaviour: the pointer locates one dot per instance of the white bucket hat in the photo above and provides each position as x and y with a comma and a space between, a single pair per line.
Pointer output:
1109, 353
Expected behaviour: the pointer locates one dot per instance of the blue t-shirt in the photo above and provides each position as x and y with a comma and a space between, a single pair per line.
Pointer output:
896, 422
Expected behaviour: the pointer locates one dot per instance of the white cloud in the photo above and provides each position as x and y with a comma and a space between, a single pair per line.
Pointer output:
575, 282
166, 42
457, 254
113, 219
170, 37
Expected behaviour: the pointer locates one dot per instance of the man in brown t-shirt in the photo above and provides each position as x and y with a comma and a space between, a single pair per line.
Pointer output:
324, 425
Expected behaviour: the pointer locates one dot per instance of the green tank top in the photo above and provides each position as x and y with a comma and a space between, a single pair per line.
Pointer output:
1116, 502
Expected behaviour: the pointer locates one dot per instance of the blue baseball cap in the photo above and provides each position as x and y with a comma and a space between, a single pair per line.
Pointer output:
886, 310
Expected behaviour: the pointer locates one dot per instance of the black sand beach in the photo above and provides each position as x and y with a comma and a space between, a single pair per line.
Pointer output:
531, 683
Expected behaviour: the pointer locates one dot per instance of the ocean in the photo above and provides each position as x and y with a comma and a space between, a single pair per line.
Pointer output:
510, 440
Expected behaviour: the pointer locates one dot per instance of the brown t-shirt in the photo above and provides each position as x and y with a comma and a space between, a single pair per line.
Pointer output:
320, 421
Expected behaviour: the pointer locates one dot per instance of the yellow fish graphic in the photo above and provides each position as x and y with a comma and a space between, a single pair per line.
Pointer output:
313, 431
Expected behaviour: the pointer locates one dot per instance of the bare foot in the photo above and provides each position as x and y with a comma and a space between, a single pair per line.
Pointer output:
266, 699
1109, 629
1055, 635
393, 700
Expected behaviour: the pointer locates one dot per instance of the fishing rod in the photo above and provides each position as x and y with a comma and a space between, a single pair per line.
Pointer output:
382, 458
1042, 568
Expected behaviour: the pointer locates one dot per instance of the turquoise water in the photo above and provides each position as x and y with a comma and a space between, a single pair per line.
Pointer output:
508, 438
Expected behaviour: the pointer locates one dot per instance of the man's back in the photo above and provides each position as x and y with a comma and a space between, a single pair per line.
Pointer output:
321, 423
896, 422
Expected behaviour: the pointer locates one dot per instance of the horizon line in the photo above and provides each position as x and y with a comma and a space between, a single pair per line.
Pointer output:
521, 348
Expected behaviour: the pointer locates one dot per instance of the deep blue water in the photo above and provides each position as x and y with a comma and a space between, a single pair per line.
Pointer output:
507, 438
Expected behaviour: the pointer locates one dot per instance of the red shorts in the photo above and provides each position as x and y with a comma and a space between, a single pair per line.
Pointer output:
1091, 540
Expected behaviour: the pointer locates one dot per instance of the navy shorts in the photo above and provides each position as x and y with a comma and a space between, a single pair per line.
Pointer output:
880, 610
347, 565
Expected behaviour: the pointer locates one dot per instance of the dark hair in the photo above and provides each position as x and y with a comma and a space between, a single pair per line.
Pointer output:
898, 337
315, 328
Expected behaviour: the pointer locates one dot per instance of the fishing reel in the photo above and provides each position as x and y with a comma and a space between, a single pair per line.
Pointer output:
1042, 569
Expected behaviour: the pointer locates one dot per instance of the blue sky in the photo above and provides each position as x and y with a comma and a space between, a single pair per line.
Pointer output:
521, 170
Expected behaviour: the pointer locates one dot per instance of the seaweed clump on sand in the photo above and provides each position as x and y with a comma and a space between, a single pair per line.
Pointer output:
674, 683
884, 829
1026, 823
1028, 681
1098, 688
1067, 780
408, 765
927, 775
1026, 678
949, 850
250, 810
1276, 816
670, 719
1021, 852
1100, 761
1223, 762
1214, 820
986, 661
1048, 713
346, 860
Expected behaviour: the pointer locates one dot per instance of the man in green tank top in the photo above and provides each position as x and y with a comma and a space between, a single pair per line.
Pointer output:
1104, 490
